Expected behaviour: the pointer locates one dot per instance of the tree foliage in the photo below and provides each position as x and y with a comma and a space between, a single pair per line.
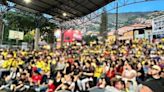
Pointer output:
25, 22
104, 21
28, 37
18, 21
48, 29
89, 38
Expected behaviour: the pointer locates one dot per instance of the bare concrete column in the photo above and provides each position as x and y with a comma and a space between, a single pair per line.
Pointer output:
1, 31
37, 36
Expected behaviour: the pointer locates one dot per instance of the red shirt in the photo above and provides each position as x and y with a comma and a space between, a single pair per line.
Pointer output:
119, 69
51, 88
34, 68
110, 74
71, 60
36, 78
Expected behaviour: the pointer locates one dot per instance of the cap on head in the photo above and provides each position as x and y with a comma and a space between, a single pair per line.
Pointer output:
156, 67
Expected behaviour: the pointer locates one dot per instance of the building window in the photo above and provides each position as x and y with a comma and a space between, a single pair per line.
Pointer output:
154, 36
158, 36
141, 32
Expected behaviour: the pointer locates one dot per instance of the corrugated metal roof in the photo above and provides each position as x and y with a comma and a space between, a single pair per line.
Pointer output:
73, 8
132, 27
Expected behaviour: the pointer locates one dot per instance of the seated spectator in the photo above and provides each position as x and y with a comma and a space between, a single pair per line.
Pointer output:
155, 83
87, 75
117, 86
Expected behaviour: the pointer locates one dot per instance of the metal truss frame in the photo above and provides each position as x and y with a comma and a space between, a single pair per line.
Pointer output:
91, 17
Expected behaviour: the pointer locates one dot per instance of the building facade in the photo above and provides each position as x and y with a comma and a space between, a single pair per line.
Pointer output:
158, 27
143, 33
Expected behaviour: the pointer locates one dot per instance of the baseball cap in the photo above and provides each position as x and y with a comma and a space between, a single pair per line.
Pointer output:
156, 67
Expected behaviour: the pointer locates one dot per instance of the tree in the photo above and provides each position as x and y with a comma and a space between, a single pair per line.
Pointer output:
3, 9
1, 29
25, 22
19, 21
104, 22
47, 30
28, 37
89, 38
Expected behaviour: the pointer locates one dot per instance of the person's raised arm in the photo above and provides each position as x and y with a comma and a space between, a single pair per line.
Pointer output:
60, 86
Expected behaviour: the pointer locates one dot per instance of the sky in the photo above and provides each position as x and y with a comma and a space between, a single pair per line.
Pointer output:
140, 7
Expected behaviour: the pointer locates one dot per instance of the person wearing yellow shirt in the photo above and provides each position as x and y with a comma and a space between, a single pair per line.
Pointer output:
46, 68
20, 62
5, 53
51, 54
15, 63
47, 64
98, 72
53, 61
24, 53
162, 40
160, 46
138, 54
40, 64
11, 63
7, 64
15, 54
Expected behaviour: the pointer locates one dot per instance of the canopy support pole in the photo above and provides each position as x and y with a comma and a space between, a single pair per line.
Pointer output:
37, 36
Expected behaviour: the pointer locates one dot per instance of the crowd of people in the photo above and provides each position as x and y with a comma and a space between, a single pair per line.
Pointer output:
131, 66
